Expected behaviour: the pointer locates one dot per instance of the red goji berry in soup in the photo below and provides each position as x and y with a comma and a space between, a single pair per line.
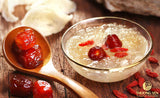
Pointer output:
119, 49
89, 42
120, 54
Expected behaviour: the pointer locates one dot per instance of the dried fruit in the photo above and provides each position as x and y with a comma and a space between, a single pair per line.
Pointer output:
15, 49
152, 52
96, 53
137, 75
151, 74
156, 90
140, 81
121, 54
151, 35
113, 41
25, 39
119, 94
42, 89
20, 86
31, 58
152, 60
119, 49
131, 91
89, 42
132, 84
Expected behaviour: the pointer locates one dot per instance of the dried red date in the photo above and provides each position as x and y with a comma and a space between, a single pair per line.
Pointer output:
113, 41
25, 39
96, 53
20, 86
31, 58
42, 89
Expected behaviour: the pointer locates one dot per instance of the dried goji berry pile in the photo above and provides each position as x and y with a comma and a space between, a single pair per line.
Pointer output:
139, 81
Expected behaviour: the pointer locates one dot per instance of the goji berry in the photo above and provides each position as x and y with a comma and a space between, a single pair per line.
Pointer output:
119, 49
131, 91
151, 74
141, 89
119, 94
137, 75
152, 52
132, 84
156, 90
89, 42
140, 81
152, 60
151, 35
121, 54
139, 78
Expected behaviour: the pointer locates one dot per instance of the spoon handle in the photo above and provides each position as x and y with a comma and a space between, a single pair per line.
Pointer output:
48, 71
78, 88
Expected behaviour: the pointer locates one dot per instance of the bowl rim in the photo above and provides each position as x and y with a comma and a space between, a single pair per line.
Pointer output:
108, 69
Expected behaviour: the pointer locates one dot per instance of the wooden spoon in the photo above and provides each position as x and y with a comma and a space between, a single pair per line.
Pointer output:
45, 70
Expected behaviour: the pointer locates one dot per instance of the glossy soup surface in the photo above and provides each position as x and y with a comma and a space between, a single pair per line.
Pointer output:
130, 37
